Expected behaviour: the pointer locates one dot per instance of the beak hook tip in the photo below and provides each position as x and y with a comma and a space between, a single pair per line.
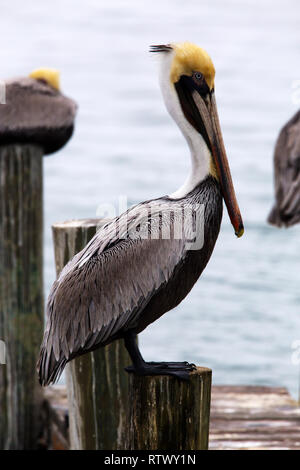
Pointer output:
240, 232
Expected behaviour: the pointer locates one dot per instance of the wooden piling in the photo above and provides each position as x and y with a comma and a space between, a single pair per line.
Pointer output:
97, 384
35, 120
168, 414
21, 293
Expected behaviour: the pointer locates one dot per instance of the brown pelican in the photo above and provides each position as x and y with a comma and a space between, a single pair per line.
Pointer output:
122, 280
36, 112
286, 210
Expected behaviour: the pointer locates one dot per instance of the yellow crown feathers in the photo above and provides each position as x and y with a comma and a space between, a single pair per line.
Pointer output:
189, 58
50, 76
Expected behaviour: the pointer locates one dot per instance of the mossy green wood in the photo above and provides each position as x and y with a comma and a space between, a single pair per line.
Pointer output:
97, 383
21, 294
168, 414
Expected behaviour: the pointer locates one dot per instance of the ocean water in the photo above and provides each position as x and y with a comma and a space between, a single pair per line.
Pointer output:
243, 315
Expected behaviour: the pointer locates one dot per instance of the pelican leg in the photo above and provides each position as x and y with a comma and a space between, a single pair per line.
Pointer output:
181, 370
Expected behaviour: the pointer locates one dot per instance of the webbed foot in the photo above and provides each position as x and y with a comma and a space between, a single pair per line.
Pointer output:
181, 370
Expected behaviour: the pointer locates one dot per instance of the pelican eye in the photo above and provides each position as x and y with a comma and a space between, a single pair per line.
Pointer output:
200, 83
198, 76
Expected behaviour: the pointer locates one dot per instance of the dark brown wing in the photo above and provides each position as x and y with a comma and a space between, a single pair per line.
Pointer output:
102, 292
286, 211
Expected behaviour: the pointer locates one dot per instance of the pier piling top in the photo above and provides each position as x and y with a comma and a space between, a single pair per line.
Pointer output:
167, 414
36, 113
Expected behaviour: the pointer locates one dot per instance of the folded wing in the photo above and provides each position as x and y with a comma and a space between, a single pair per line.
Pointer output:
102, 291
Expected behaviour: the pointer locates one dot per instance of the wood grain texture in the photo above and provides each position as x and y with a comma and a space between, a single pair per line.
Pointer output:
253, 418
168, 414
21, 293
97, 383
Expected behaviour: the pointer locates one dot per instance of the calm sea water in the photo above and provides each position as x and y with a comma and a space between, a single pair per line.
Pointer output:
244, 314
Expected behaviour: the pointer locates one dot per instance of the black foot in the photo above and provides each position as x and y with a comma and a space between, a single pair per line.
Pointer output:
181, 370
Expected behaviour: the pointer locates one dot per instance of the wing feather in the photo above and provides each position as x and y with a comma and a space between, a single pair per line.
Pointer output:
102, 291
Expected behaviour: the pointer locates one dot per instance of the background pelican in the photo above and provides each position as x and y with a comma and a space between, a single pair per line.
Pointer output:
36, 111
118, 285
286, 210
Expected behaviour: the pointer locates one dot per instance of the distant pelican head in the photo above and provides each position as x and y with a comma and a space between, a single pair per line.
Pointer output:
47, 75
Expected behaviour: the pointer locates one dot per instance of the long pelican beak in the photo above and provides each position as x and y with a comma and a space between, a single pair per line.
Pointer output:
208, 111
201, 112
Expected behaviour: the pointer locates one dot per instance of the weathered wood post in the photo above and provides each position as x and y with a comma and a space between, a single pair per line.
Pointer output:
35, 120
21, 293
168, 414
97, 384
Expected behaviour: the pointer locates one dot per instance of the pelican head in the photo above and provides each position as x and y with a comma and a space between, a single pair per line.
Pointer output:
187, 81
36, 112
48, 76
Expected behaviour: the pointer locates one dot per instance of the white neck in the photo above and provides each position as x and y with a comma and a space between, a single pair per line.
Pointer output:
200, 154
